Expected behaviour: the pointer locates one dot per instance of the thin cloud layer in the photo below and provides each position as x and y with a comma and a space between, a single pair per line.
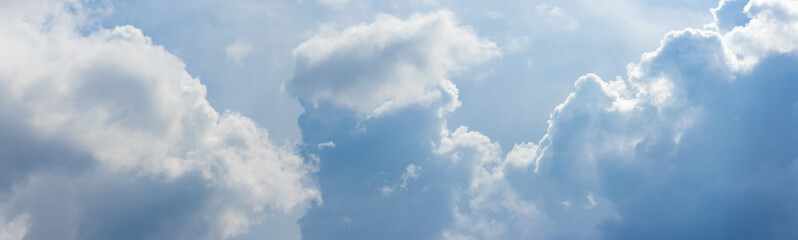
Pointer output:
110, 137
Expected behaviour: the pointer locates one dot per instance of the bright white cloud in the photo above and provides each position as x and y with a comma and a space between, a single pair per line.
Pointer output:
700, 134
138, 117
326, 144
615, 150
388, 64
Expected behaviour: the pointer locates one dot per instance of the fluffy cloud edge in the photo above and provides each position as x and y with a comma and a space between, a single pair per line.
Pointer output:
133, 108
388, 64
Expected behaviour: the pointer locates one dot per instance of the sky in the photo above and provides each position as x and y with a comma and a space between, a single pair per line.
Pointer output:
402, 119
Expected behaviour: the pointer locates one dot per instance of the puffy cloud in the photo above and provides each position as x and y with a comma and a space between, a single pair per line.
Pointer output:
555, 16
486, 207
389, 64
689, 145
110, 137
388, 77
693, 143
772, 28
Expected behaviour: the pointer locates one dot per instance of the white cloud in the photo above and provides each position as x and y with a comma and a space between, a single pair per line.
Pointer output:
412, 172
523, 154
488, 208
238, 50
388, 64
678, 137
326, 144
772, 28
136, 116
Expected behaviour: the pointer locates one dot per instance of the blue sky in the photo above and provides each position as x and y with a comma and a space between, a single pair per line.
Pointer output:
411, 119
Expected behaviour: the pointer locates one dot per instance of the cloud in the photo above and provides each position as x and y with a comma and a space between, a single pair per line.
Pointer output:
485, 207
380, 91
412, 172
389, 64
326, 144
688, 145
112, 138
384, 182
238, 50
107, 136
771, 29
729, 14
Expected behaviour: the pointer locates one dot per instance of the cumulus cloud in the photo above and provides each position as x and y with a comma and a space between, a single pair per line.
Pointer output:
688, 145
392, 77
389, 64
107, 137
697, 141
112, 138
485, 207
772, 28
